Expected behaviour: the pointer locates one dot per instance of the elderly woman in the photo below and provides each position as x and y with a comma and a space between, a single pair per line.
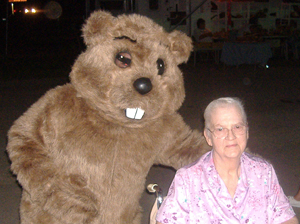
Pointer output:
226, 185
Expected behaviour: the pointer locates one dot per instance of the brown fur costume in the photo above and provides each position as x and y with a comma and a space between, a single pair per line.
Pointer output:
77, 156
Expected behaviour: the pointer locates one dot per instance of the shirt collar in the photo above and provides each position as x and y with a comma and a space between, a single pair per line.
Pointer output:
211, 179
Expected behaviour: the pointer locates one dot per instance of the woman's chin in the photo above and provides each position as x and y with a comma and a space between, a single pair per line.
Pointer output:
233, 153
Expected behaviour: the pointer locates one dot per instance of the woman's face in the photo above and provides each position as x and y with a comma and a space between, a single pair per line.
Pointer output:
232, 146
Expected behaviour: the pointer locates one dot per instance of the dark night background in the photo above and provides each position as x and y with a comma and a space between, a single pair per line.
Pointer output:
34, 46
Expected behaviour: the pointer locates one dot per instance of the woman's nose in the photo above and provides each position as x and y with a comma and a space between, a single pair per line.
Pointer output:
230, 135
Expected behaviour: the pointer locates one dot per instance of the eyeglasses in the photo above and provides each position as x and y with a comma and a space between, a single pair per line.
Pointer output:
222, 133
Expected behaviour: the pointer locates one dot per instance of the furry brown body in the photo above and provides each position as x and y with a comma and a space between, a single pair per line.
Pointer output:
77, 156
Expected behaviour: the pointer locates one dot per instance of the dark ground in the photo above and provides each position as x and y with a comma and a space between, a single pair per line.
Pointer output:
40, 56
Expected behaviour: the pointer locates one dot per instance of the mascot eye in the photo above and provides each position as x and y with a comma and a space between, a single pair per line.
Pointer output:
123, 59
160, 66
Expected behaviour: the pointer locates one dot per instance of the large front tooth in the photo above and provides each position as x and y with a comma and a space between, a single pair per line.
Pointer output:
130, 112
139, 113
134, 113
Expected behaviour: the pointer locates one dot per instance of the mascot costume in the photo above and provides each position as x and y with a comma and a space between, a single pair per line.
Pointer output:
82, 152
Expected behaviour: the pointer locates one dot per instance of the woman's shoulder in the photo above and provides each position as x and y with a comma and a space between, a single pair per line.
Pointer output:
253, 159
200, 164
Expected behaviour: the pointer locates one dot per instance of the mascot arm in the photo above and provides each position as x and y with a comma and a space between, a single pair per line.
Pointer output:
31, 151
184, 146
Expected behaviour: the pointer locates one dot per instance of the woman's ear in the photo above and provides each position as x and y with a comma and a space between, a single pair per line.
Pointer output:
247, 133
207, 137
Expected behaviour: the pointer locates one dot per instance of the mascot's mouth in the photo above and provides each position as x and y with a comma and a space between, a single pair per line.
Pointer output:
134, 113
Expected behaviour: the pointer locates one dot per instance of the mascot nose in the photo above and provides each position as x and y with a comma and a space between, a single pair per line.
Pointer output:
143, 85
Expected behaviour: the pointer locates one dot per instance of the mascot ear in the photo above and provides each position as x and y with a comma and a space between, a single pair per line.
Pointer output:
181, 46
98, 27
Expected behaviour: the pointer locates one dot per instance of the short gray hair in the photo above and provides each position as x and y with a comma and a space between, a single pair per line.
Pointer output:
223, 102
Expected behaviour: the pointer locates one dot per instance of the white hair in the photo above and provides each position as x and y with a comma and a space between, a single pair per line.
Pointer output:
223, 102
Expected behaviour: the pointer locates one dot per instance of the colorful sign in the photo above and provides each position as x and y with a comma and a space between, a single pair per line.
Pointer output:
17, 0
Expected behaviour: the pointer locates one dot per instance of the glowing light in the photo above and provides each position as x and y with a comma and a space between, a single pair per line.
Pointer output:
17, 1
33, 10
12, 8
